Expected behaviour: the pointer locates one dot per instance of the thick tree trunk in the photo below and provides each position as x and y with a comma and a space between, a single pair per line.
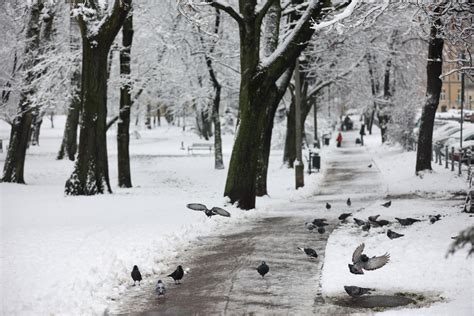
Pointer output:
69, 142
433, 91
13, 169
123, 126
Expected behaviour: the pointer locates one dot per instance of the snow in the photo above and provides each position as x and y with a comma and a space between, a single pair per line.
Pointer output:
418, 262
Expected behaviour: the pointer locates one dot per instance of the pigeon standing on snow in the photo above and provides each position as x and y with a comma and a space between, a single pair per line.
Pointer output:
387, 204
310, 226
407, 221
392, 235
160, 288
328, 206
136, 275
209, 212
310, 252
376, 223
434, 218
366, 227
320, 222
359, 222
348, 202
344, 216
362, 262
321, 230
355, 291
177, 275
263, 269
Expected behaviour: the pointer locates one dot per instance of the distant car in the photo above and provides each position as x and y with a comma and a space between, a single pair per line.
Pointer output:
347, 124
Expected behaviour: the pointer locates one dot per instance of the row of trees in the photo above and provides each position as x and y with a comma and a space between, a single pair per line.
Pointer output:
336, 46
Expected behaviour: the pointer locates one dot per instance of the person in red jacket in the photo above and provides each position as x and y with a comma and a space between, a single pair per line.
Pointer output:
339, 139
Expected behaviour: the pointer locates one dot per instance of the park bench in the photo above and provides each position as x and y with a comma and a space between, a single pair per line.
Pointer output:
200, 146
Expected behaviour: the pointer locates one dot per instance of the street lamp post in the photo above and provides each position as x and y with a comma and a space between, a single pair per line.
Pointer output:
299, 166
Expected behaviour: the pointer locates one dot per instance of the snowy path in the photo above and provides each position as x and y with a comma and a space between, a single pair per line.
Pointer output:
222, 276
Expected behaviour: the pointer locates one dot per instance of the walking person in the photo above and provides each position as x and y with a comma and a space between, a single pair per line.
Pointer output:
339, 139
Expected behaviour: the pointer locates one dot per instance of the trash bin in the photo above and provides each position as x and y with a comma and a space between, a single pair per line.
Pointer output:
316, 161
326, 141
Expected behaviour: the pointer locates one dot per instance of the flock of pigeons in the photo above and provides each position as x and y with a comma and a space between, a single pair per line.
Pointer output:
360, 261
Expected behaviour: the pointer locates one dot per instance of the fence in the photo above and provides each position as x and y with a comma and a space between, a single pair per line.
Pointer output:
457, 162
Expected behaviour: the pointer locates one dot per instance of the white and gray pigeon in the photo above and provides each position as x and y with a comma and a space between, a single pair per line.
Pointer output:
160, 288
209, 212
310, 252
355, 291
310, 226
363, 262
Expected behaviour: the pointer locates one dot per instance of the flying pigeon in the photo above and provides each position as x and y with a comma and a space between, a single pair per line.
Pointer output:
321, 230
310, 252
407, 221
263, 269
387, 204
370, 165
348, 202
310, 226
362, 262
344, 216
392, 235
355, 291
209, 212
160, 288
136, 275
434, 218
328, 206
177, 274
359, 222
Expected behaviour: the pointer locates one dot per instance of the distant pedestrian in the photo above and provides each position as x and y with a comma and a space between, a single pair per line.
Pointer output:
362, 133
339, 139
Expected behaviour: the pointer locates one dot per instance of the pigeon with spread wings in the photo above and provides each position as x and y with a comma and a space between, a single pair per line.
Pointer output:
363, 262
209, 212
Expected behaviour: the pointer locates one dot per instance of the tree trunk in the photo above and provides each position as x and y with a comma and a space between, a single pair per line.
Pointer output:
433, 91
91, 173
123, 126
69, 142
13, 169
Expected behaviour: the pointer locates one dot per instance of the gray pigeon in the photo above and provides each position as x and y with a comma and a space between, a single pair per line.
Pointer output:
362, 262
387, 204
366, 227
263, 269
392, 235
370, 165
407, 221
320, 222
310, 226
321, 230
434, 218
373, 218
310, 252
348, 202
355, 291
328, 206
160, 288
209, 212
344, 216
359, 222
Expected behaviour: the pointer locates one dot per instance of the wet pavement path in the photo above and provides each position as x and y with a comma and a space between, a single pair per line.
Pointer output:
223, 277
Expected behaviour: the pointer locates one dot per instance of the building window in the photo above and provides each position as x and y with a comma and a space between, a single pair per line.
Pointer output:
458, 98
443, 95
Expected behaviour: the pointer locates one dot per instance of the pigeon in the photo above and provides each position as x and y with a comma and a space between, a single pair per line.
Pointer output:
177, 274
407, 221
321, 230
434, 218
310, 252
382, 222
387, 204
373, 218
370, 165
209, 212
344, 216
348, 202
355, 291
392, 235
328, 206
310, 226
160, 288
263, 269
366, 227
362, 262
136, 275
359, 222
320, 222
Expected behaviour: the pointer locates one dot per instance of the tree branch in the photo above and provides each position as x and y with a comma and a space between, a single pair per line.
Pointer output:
261, 13
226, 7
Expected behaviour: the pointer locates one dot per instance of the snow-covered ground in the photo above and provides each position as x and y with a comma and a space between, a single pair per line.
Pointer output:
73, 255
418, 262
